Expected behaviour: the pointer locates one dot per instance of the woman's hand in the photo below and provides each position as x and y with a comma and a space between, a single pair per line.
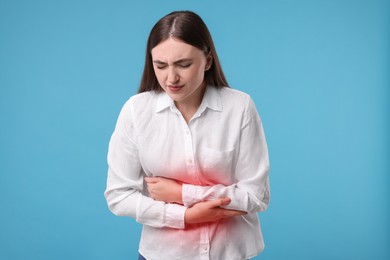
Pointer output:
210, 211
164, 189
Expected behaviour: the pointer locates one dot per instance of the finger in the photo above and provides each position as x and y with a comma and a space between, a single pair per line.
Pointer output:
149, 185
229, 213
219, 202
151, 179
225, 201
151, 194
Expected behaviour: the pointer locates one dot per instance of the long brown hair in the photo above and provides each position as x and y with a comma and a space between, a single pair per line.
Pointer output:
188, 27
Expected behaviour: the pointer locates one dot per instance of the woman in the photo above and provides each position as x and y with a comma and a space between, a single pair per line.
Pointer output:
188, 158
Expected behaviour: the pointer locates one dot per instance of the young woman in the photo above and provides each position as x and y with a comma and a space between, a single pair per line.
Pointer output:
188, 158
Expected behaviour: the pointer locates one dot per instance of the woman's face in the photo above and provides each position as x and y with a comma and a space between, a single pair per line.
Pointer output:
180, 69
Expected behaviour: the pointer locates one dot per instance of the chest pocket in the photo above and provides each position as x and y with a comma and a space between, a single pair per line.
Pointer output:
217, 166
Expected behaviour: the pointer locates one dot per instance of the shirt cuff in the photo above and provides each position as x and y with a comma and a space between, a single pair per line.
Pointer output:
189, 195
174, 216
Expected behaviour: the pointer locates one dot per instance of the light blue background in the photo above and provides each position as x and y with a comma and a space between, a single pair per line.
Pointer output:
317, 70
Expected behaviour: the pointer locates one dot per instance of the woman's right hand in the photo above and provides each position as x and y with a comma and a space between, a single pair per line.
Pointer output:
210, 211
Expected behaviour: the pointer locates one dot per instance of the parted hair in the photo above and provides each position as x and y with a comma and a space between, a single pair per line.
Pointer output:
188, 27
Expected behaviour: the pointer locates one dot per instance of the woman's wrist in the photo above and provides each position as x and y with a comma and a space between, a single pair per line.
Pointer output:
179, 194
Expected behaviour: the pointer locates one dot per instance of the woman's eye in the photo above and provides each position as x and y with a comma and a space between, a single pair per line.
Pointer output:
161, 67
185, 65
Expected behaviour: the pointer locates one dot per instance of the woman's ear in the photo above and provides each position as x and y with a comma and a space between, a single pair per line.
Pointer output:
209, 62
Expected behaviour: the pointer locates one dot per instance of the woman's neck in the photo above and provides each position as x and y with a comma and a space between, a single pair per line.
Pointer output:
189, 106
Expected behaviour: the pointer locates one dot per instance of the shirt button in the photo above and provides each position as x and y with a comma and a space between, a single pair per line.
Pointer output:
187, 132
189, 161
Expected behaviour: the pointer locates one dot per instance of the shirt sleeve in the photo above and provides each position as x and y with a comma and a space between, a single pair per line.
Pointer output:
125, 182
251, 192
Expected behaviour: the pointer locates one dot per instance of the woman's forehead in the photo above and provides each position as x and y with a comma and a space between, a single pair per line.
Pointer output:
172, 49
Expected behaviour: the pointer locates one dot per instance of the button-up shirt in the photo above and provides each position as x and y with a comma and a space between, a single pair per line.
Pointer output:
220, 152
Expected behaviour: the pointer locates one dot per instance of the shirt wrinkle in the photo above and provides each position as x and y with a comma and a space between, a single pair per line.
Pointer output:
223, 153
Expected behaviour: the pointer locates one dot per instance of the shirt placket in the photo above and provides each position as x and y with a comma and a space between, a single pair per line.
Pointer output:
188, 148
189, 153
204, 243
190, 162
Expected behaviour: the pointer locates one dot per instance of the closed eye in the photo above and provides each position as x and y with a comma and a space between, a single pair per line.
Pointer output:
184, 65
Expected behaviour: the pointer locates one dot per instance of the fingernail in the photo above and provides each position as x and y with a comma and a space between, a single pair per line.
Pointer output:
226, 200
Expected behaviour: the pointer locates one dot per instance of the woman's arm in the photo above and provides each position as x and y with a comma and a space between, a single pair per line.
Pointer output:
170, 191
164, 189
125, 192
251, 191
210, 211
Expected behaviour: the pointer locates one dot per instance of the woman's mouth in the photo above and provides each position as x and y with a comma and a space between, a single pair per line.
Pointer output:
174, 88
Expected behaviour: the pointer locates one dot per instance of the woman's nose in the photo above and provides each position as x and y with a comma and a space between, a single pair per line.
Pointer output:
173, 77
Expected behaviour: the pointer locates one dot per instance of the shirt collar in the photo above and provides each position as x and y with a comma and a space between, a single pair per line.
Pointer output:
163, 102
211, 100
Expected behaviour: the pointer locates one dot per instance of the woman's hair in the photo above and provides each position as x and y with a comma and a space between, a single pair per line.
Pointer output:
189, 28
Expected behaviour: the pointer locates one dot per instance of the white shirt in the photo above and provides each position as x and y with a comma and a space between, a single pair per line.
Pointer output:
221, 152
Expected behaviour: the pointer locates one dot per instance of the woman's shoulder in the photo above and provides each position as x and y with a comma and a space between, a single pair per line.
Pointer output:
234, 92
143, 97
235, 101
234, 96
140, 102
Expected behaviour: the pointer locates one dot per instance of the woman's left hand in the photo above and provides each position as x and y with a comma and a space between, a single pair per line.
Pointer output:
164, 189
